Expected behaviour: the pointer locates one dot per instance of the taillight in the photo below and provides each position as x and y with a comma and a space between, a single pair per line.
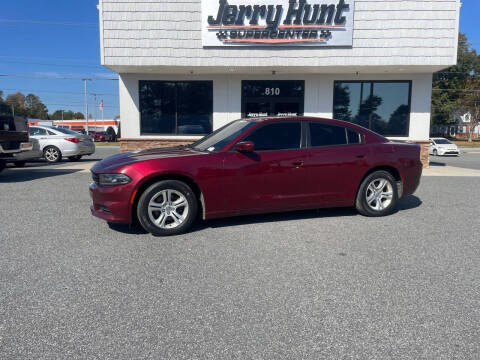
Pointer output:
74, 140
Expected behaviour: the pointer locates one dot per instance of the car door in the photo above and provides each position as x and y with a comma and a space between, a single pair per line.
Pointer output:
39, 134
272, 177
336, 164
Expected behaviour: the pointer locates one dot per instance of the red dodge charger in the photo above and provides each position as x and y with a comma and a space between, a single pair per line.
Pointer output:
256, 166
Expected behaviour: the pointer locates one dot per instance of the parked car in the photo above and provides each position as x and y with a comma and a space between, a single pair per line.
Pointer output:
442, 146
13, 138
100, 136
56, 143
256, 166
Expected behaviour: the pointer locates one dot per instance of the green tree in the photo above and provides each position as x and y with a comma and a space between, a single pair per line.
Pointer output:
78, 115
449, 85
17, 100
35, 108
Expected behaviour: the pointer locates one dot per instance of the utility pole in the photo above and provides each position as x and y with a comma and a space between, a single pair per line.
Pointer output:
95, 121
86, 103
62, 115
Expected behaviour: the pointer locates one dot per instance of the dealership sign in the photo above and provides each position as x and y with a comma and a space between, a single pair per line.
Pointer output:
277, 22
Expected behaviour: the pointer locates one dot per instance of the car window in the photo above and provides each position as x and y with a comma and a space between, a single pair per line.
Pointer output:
442, 141
354, 137
50, 132
278, 136
324, 135
34, 131
66, 131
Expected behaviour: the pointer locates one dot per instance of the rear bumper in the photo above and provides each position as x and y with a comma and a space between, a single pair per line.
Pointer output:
411, 179
111, 203
79, 150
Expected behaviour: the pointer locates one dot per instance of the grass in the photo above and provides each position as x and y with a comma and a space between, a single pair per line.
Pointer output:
465, 143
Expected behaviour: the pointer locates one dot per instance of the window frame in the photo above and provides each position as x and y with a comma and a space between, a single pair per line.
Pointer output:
38, 128
176, 133
302, 145
361, 137
410, 85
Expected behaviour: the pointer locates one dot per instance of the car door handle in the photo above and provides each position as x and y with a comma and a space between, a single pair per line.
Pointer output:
297, 163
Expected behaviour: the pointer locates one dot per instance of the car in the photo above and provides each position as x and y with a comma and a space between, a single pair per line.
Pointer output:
13, 138
253, 166
56, 143
100, 136
442, 146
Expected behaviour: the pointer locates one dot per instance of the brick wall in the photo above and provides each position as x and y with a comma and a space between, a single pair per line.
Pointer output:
424, 155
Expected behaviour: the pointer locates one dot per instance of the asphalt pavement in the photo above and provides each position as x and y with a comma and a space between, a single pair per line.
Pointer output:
325, 284
468, 159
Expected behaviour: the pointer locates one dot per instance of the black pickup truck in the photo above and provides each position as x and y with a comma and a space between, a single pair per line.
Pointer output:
13, 138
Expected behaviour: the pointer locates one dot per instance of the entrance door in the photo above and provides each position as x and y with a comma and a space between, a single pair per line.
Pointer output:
272, 98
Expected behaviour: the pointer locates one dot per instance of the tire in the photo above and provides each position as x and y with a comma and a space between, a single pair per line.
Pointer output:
52, 154
383, 198
157, 203
20, 163
435, 152
75, 158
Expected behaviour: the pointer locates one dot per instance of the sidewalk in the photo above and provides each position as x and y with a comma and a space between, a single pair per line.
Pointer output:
450, 171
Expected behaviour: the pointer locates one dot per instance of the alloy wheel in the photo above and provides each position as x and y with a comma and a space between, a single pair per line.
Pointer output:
379, 194
168, 209
51, 154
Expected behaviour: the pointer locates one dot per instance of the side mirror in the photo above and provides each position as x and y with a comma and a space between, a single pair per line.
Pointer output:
245, 146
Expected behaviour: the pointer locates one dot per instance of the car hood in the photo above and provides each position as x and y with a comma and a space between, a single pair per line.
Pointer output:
119, 160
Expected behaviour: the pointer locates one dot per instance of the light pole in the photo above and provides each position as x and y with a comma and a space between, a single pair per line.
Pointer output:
86, 103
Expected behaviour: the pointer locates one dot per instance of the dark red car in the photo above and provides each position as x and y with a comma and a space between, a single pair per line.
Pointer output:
256, 166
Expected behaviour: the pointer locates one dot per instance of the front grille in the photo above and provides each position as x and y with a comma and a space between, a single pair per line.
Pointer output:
95, 178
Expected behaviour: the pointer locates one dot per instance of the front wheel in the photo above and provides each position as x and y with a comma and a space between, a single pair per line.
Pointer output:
168, 207
377, 195
52, 154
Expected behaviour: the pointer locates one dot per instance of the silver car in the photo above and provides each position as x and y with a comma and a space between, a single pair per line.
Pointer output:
56, 143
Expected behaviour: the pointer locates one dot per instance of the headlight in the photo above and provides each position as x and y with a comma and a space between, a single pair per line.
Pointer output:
113, 179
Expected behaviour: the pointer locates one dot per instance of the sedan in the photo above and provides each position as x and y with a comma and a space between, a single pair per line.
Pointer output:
256, 166
441, 146
56, 143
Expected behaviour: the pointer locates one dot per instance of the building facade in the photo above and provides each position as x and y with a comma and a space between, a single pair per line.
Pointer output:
188, 67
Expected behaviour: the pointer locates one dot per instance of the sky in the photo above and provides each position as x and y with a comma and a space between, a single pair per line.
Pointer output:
48, 39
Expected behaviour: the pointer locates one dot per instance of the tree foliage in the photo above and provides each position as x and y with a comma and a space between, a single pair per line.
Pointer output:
452, 86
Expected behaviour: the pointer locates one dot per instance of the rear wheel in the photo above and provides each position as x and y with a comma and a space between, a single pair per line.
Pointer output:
377, 195
75, 158
168, 207
52, 154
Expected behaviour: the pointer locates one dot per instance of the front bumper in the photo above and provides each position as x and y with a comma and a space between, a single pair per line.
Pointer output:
111, 203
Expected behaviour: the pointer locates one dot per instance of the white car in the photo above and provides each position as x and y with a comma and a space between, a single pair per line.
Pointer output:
441, 146
56, 143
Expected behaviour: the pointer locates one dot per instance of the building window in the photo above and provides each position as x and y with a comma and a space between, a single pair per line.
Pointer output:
176, 107
381, 106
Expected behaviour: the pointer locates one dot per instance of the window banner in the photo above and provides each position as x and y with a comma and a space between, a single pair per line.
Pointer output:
277, 22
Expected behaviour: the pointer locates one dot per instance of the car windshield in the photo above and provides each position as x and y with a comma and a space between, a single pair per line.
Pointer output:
221, 137
442, 141
64, 131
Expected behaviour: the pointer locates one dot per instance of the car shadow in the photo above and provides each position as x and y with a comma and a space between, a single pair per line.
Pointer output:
407, 203
26, 174
436, 163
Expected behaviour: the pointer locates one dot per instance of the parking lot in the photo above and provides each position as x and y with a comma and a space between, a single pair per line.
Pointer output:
301, 285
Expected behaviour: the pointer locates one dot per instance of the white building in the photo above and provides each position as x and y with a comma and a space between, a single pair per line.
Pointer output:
188, 67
